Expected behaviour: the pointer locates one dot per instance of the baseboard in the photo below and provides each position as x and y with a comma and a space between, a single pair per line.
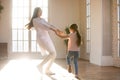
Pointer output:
107, 61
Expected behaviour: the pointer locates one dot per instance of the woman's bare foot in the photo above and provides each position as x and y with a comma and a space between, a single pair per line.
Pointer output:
40, 68
49, 73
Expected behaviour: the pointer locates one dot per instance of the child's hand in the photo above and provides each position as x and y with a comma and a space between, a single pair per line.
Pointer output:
59, 32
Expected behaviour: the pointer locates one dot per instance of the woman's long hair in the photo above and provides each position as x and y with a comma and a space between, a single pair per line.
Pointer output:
35, 15
75, 28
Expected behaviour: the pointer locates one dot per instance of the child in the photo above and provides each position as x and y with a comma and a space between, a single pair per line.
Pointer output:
74, 41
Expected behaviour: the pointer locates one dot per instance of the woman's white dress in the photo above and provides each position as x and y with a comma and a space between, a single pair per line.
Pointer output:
43, 38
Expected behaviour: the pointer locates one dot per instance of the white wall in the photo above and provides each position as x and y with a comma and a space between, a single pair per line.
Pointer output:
5, 23
107, 58
96, 31
101, 33
107, 28
61, 14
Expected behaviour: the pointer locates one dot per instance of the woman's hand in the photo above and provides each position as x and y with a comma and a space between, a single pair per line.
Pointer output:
58, 32
53, 29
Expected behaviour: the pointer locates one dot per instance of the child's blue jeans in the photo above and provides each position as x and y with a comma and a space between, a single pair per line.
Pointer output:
73, 55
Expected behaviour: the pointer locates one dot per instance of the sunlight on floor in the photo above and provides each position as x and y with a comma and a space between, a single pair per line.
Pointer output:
26, 69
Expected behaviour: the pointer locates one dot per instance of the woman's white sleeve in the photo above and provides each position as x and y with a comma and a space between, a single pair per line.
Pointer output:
46, 24
40, 24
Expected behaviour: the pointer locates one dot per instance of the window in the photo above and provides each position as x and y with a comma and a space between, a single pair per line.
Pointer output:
22, 39
88, 25
118, 12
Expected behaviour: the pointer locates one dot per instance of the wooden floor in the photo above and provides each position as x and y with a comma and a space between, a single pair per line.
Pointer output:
26, 69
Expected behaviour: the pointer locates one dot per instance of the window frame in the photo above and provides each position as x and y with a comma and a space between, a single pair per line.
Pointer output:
88, 28
118, 25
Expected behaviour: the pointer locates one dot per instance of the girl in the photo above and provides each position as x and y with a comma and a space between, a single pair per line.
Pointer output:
42, 27
74, 41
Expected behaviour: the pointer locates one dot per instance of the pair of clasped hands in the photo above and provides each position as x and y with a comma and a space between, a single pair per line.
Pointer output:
57, 31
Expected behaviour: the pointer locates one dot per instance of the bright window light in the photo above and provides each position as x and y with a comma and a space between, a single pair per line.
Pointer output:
26, 69
22, 39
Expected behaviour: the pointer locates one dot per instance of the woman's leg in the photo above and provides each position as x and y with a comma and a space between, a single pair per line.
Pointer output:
46, 59
48, 45
50, 62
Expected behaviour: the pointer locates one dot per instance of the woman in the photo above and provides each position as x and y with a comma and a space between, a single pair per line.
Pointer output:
42, 27
74, 41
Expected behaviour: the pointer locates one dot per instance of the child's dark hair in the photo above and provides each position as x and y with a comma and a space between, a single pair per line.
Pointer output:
75, 27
